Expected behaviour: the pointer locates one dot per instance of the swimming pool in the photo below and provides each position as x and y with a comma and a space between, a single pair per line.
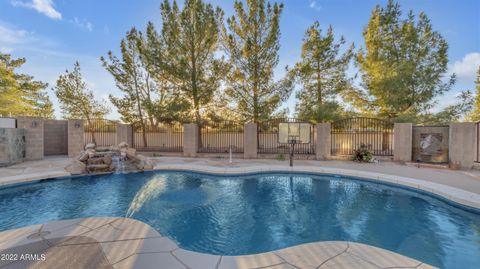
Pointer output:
235, 215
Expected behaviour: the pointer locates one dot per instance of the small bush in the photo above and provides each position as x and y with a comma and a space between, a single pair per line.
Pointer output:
280, 157
362, 154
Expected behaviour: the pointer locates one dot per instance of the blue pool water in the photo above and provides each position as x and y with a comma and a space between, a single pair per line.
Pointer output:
257, 213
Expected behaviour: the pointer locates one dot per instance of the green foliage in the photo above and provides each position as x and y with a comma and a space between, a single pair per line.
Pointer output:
280, 157
362, 154
403, 64
191, 38
475, 114
76, 100
251, 44
322, 74
19, 93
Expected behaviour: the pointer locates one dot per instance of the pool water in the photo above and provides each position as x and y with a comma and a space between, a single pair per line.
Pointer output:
235, 215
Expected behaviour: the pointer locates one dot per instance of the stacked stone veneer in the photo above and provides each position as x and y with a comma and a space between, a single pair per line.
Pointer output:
33, 137
12, 146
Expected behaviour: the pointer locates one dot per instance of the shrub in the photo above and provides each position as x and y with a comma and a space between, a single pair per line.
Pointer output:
362, 154
280, 157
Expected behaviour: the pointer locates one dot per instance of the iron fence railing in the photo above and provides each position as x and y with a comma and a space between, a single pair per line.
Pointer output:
101, 132
220, 137
349, 134
267, 135
163, 137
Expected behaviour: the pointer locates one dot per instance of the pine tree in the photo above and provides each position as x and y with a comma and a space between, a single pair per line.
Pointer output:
76, 100
19, 93
322, 73
251, 43
191, 38
403, 64
133, 80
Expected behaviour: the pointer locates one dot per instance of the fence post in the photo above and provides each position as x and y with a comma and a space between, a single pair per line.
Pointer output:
125, 134
75, 137
190, 140
250, 140
402, 142
33, 137
323, 146
461, 146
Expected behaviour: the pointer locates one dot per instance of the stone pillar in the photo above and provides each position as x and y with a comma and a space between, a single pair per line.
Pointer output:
190, 140
323, 145
125, 134
402, 142
33, 137
75, 137
461, 146
250, 140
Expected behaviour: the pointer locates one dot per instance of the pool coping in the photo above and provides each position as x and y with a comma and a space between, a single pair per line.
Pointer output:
128, 243
456, 196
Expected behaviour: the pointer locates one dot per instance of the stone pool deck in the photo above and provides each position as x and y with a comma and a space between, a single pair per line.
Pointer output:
122, 243
127, 243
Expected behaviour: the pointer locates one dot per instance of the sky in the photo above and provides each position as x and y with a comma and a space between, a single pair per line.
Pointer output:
53, 34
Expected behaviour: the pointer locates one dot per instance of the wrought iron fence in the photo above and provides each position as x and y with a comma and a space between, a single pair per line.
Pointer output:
477, 125
164, 137
349, 134
267, 135
219, 137
101, 132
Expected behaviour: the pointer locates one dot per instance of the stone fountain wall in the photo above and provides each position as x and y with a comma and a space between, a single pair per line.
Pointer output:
119, 158
12, 146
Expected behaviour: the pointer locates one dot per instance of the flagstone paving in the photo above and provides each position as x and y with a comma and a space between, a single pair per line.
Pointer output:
123, 243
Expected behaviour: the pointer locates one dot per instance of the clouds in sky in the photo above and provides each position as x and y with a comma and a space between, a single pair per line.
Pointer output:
45, 7
468, 66
84, 24
314, 5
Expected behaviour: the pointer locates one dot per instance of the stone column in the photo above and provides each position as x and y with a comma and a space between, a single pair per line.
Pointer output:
323, 146
190, 140
250, 141
402, 142
461, 146
75, 137
33, 137
125, 134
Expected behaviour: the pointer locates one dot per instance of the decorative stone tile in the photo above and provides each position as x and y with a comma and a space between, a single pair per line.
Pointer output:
281, 266
150, 261
312, 255
18, 233
381, 257
124, 231
196, 260
59, 225
157, 244
250, 261
346, 260
119, 250
69, 231
94, 223
425, 266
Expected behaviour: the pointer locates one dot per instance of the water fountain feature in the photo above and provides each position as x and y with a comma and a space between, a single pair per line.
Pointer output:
118, 159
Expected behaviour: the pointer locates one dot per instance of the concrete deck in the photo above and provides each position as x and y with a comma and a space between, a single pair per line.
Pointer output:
122, 243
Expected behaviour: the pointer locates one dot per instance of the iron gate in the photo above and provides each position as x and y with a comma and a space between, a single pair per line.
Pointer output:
101, 132
164, 137
267, 135
219, 137
349, 134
